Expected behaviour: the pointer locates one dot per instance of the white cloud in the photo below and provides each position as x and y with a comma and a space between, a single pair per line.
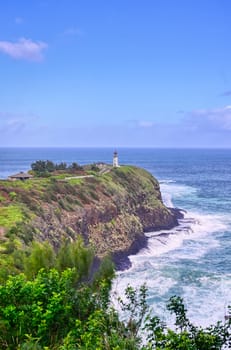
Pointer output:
12, 122
210, 119
20, 129
24, 49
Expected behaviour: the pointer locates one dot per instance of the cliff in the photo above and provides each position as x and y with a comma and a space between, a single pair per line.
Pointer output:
111, 211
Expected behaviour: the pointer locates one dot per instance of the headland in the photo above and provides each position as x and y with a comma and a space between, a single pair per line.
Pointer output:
111, 208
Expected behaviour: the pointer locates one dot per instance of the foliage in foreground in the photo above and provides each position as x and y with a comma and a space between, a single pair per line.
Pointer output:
62, 308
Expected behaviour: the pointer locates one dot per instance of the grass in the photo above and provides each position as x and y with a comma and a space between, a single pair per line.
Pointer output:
18, 183
25, 185
10, 215
75, 181
60, 176
2, 199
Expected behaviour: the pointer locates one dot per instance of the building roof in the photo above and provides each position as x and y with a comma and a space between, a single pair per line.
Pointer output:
21, 175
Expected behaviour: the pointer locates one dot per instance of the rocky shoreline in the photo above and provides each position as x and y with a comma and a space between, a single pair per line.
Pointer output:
121, 258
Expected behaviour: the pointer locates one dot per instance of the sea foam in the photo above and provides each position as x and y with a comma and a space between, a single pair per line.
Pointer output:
177, 262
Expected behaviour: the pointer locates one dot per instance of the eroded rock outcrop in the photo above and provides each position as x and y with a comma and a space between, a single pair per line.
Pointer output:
111, 211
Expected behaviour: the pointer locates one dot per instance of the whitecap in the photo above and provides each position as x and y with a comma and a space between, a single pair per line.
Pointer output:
171, 191
194, 235
167, 181
179, 261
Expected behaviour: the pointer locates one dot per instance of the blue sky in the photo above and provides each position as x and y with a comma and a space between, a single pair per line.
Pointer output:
150, 73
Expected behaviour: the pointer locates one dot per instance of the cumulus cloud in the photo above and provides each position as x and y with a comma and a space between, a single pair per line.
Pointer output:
217, 119
24, 49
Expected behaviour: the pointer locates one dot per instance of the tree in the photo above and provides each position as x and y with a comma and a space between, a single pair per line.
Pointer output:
61, 166
42, 308
41, 167
51, 311
41, 255
75, 166
58, 305
75, 255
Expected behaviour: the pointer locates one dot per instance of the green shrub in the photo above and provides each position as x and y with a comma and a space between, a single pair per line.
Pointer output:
10, 215
2, 199
52, 312
12, 195
41, 256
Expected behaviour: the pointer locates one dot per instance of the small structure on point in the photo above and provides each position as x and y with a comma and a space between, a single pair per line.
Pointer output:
20, 176
115, 160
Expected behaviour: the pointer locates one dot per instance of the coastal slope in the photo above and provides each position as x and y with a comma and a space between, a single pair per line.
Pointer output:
111, 211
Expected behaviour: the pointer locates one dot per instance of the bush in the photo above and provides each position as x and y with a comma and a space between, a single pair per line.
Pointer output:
63, 309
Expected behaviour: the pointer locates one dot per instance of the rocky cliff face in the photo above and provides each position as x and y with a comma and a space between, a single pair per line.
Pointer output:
111, 211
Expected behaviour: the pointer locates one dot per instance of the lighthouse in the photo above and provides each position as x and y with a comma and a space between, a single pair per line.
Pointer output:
115, 160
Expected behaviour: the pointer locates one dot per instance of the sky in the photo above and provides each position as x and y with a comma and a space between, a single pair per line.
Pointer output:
118, 73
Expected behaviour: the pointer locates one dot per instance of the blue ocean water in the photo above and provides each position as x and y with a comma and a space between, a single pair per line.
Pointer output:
192, 260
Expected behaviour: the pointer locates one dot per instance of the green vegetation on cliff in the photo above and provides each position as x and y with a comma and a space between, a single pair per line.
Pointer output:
111, 210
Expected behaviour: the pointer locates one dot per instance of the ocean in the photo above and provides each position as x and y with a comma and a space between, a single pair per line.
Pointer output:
192, 260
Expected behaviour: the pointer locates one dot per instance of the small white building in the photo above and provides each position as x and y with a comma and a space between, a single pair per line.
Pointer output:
115, 160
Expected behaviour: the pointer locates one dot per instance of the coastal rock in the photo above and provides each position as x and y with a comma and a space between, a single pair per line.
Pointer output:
111, 211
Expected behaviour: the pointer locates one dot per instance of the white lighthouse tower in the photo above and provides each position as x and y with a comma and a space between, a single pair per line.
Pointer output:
115, 160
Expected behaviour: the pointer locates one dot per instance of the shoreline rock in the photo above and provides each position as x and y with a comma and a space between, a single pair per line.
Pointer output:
121, 258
